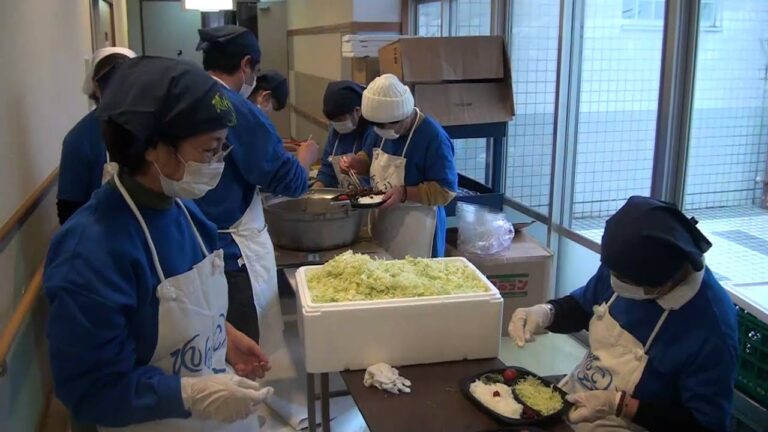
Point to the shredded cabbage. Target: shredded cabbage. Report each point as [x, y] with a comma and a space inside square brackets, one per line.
[356, 277]
[538, 396]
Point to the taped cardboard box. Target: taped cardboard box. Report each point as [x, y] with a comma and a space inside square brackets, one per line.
[522, 273]
[465, 103]
[435, 60]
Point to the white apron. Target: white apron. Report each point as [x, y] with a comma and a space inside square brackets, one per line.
[407, 229]
[192, 336]
[615, 361]
[345, 181]
[258, 256]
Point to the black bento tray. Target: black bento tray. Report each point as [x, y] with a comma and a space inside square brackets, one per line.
[521, 373]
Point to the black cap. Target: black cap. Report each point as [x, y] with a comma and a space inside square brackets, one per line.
[342, 97]
[276, 83]
[165, 98]
[647, 242]
[230, 39]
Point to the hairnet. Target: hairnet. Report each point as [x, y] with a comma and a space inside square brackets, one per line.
[276, 83]
[165, 98]
[342, 97]
[647, 242]
[230, 39]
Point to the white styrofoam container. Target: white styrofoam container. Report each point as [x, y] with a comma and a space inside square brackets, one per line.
[355, 335]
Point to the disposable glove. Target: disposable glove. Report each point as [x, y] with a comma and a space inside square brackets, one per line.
[526, 322]
[225, 397]
[385, 377]
[592, 405]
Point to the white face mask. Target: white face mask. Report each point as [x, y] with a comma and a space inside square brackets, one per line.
[388, 134]
[344, 127]
[198, 179]
[629, 291]
[247, 89]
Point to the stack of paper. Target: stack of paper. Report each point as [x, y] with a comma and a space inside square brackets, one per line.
[365, 45]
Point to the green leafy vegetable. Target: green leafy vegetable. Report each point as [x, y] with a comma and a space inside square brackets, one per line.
[538, 396]
[492, 379]
[355, 277]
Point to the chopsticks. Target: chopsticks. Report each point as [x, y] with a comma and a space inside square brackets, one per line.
[355, 180]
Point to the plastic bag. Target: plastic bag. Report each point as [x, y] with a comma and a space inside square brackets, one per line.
[482, 231]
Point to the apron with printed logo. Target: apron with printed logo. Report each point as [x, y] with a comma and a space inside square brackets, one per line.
[191, 326]
[615, 361]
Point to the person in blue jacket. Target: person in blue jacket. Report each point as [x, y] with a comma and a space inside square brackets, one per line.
[257, 163]
[411, 158]
[83, 156]
[662, 331]
[135, 283]
[349, 130]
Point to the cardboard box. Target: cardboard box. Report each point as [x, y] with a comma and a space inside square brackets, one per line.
[457, 80]
[465, 103]
[364, 70]
[435, 60]
[522, 273]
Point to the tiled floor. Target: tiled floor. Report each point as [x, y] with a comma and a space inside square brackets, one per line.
[739, 236]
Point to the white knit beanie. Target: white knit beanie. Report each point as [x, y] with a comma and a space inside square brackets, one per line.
[387, 100]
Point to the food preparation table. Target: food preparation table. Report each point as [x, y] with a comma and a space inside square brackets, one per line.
[435, 404]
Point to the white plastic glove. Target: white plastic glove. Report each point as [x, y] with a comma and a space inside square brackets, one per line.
[593, 405]
[385, 377]
[225, 397]
[526, 322]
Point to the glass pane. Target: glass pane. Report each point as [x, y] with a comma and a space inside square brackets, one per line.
[707, 14]
[629, 9]
[470, 157]
[728, 148]
[616, 129]
[533, 48]
[430, 18]
[473, 18]
[645, 9]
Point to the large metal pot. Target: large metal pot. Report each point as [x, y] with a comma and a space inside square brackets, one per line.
[312, 222]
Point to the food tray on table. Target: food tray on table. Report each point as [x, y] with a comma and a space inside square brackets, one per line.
[529, 415]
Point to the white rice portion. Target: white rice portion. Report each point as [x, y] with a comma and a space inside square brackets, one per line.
[505, 405]
[371, 199]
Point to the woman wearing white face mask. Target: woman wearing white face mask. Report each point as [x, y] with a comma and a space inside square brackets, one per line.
[662, 331]
[349, 130]
[411, 159]
[138, 297]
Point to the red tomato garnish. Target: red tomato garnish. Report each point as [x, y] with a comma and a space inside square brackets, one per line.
[509, 375]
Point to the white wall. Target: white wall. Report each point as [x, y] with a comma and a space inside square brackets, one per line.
[315, 13]
[43, 47]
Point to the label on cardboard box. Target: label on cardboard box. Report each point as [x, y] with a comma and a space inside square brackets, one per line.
[511, 285]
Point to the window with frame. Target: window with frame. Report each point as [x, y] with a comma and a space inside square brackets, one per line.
[651, 12]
